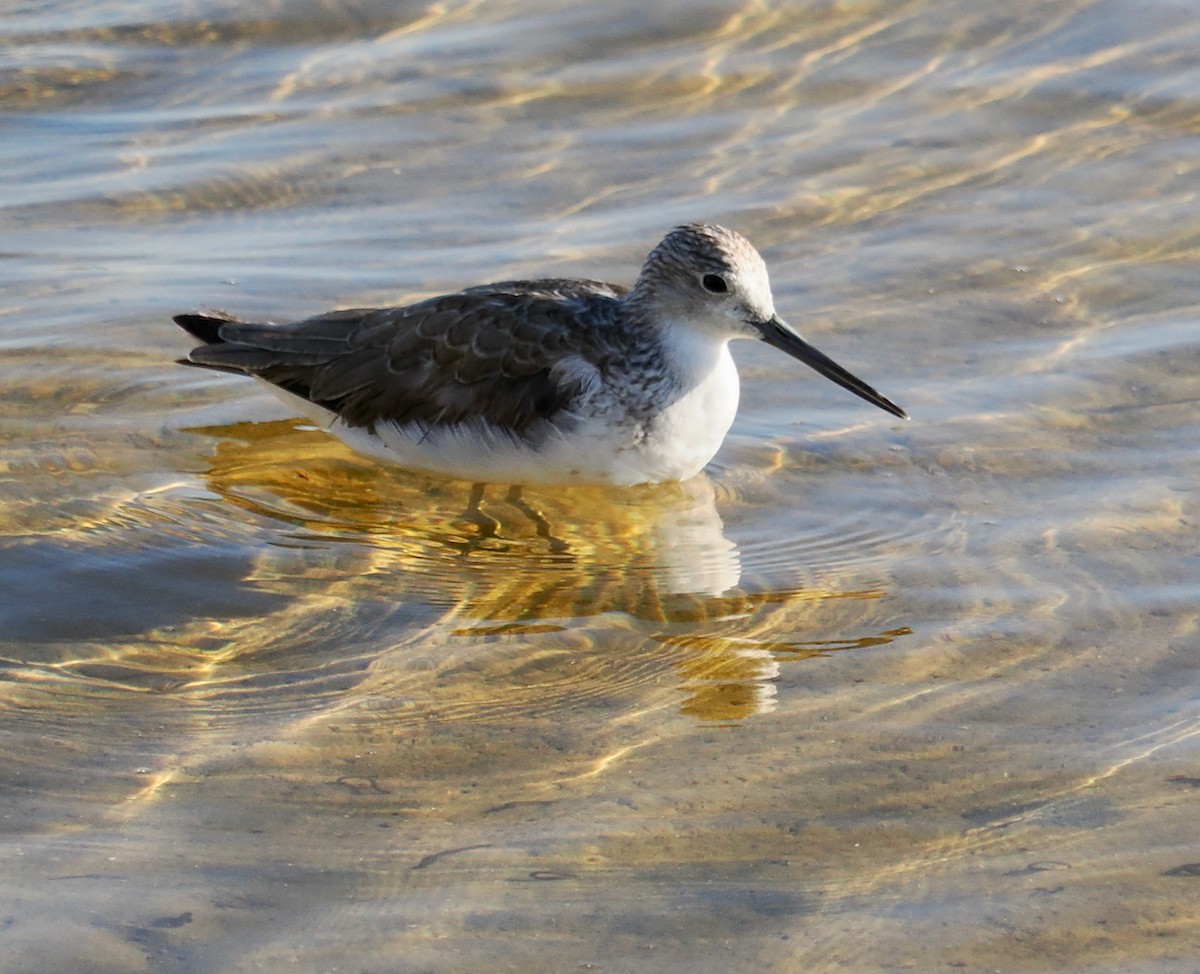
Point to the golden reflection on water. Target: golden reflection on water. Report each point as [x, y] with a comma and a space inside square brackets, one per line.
[371, 601]
[403, 661]
[628, 588]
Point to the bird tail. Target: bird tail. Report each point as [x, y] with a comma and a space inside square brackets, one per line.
[217, 352]
[207, 328]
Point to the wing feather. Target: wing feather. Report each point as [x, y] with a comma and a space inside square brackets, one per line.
[514, 354]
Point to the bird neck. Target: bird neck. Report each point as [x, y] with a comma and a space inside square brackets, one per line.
[691, 354]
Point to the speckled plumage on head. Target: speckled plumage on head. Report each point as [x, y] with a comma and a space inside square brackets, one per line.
[698, 248]
[538, 380]
[688, 254]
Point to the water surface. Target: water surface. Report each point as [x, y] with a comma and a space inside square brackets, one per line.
[864, 696]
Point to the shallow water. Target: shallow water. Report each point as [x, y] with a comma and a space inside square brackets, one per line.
[864, 696]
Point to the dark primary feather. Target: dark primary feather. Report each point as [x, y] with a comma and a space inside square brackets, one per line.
[485, 353]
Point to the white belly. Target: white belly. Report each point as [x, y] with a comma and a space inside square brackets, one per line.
[675, 444]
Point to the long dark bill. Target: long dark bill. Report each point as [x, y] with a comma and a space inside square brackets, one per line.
[778, 333]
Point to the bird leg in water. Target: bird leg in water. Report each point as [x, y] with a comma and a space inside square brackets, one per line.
[489, 527]
[541, 525]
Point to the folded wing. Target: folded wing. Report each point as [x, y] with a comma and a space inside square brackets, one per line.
[500, 353]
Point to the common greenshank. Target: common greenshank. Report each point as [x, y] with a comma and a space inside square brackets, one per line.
[546, 381]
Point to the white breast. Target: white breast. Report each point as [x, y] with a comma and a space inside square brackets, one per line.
[690, 430]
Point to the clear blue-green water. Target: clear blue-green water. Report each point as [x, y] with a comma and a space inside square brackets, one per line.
[865, 696]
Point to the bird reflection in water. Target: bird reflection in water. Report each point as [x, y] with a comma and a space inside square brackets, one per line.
[636, 582]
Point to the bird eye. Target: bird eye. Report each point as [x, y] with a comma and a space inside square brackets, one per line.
[714, 283]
